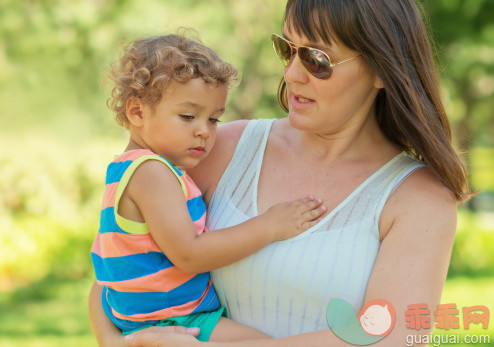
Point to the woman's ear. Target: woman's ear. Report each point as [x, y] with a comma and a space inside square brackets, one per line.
[378, 83]
[134, 111]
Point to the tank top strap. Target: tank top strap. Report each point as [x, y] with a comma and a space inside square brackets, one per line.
[394, 175]
[241, 176]
[369, 199]
[251, 145]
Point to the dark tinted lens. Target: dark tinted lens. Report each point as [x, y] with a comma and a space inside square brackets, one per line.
[282, 49]
[315, 62]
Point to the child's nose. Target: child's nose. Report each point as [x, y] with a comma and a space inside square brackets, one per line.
[202, 131]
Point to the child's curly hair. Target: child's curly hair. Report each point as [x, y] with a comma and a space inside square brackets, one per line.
[148, 65]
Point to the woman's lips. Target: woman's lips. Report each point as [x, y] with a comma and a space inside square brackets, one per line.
[300, 102]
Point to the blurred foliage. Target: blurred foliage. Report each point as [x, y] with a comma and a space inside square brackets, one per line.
[49, 207]
[474, 242]
[54, 55]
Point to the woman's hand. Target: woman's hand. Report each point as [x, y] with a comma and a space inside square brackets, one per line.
[164, 336]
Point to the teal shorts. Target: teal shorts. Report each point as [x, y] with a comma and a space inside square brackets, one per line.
[206, 321]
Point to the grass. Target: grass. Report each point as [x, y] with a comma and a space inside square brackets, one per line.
[465, 292]
[47, 313]
[54, 312]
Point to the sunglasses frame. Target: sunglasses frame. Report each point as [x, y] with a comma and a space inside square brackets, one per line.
[295, 50]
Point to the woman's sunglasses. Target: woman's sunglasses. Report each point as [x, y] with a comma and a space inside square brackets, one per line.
[314, 60]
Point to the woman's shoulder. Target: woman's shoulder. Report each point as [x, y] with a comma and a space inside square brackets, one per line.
[227, 138]
[230, 132]
[424, 184]
[421, 196]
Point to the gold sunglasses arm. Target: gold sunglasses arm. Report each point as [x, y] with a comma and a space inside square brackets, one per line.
[344, 61]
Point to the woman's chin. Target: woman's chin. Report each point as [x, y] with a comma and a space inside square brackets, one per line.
[299, 121]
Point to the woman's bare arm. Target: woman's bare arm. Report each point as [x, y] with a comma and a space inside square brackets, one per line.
[106, 333]
[413, 259]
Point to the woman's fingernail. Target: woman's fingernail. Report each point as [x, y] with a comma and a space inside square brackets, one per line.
[130, 337]
[192, 330]
[311, 197]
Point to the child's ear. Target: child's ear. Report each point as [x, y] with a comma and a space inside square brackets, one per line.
[134, 110]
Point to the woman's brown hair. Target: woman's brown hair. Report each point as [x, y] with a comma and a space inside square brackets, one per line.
[392, 39]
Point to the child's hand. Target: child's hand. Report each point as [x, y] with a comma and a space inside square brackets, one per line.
[289, 219]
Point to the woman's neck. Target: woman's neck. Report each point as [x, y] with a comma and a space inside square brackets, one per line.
[352, 142]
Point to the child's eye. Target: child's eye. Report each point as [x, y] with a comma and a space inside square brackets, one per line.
[214, 120]
[186, 116]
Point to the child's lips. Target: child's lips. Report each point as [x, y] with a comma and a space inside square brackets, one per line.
[197, 151]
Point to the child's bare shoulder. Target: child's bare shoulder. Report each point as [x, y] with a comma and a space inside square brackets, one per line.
[151, 177]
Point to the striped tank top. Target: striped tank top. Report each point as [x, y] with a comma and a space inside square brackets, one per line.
[284, 289]
[141, 285]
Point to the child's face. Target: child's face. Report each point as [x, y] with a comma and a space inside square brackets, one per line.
[182, 127]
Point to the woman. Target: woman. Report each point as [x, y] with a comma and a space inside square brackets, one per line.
[367, 131]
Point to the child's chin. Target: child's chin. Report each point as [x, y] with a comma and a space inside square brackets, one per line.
[189, 165]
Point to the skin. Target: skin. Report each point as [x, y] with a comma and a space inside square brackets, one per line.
[335, 136]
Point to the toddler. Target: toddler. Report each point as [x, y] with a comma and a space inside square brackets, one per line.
[152, 253]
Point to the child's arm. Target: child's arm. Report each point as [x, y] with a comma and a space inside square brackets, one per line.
[158, 196]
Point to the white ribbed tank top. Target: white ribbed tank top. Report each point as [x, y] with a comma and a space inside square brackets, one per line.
[284, 289]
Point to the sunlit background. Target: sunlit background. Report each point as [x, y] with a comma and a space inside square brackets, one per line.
[56, 137]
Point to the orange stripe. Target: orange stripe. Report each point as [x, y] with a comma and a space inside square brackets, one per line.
[96, 247]
[199, 224]
[187, 308]
[163, 314]
[192, 190]
[120, 245]
[109, 195]
[132, 155]
[162, 281]
[181, 310]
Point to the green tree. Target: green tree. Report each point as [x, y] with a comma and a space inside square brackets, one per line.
[464, 32]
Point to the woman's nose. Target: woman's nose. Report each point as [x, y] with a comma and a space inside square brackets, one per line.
[295, 71]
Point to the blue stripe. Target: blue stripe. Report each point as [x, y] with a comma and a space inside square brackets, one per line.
[128, 303]
[189, 291]
[136, 303]
[196, 207]
[115, 171]
[107, 222]
[177, 170]
[128, 267]
[209, 303]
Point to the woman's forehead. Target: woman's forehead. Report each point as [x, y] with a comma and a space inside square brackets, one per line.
[310, 31]
[296, 35]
